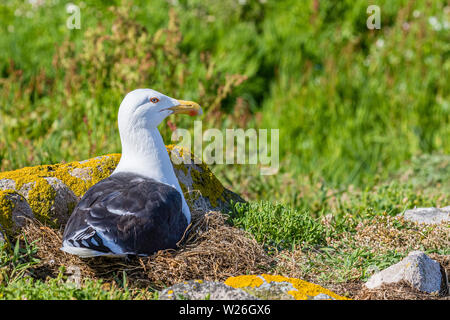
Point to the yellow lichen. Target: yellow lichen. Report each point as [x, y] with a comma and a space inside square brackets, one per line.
[303, 290]
[203, 180]
[244, 281]
[40, 199]
[41, 194]
[6, 209]
[182, 153]
[207, 184]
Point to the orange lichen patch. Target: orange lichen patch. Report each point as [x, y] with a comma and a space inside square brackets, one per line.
[303, 290]
[244, 281]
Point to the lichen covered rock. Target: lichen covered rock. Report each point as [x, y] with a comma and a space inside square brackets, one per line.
[275, 287]
[52, 191]
[201, 290]
[14, 210]
[200, 186]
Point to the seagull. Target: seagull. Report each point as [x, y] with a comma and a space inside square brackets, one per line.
[140, 208]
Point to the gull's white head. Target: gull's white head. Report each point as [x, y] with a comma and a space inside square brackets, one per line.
[147, 108]
[143, 149]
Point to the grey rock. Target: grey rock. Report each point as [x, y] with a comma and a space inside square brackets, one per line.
[81, 173]
[20, 213]
[74, 275]
[22, 210]
[279, 290]
[203, 290]
[64, 202]
[7, 184]
[323, 296]
[191, 167]
[275, 290]
[2, 235]
[417, 269]
[428, 215]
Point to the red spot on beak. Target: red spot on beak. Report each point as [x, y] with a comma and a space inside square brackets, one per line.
[193, 113]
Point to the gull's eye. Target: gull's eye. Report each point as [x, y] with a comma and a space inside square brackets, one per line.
[154, 100]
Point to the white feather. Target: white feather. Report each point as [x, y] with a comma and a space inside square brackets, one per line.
[143, 149]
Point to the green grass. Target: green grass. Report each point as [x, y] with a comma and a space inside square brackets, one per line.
[277, 225]
[16, 261]
[60, 289]
[18, 280]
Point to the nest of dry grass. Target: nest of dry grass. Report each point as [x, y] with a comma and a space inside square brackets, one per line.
[210, 250]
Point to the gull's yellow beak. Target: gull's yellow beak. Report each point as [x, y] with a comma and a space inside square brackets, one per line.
[187, 107]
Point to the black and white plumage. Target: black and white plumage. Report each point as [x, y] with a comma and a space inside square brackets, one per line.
[140, 208]
[126, 214]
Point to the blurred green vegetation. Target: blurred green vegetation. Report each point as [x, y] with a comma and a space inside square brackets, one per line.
[352, 104]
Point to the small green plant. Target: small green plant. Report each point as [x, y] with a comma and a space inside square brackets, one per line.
[18, 261]
[276, 224]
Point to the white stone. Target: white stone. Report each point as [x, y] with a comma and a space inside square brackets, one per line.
[428, 215]
[417, 269]
[201, 290]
